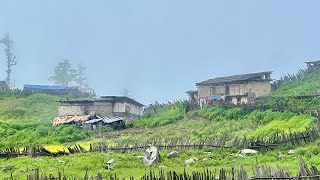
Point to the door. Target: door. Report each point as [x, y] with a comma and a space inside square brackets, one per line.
[227, 90]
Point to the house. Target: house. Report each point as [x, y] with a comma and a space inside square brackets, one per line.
[3, 86]
[103, 106]
[237, 89]
[192, 96]
[45, 89]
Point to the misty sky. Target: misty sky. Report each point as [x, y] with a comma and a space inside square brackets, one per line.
[158, 49]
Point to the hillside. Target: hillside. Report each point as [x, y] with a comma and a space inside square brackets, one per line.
[295, 92]
[26, 121]
[305, 82]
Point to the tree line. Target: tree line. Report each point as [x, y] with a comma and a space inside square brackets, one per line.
[64, 73]
[10, 58]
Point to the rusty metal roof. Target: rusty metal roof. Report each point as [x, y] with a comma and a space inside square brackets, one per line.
[69, 119]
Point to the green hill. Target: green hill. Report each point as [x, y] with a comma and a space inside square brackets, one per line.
[305, 82]
[26, 121]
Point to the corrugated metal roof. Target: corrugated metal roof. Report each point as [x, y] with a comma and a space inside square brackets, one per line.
[47, 87]
[110, 119]
[93, 121]
[235, 78]
[215, 97]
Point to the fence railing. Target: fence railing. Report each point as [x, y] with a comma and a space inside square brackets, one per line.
[262, 144]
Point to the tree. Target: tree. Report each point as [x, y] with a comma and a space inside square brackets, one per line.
[81, 79]
[11, 60]
[64, 74]
[125, 92]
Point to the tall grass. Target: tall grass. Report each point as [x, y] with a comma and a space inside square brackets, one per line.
[26, 121]
[163, 115]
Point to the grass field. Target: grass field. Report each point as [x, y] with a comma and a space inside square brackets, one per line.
[129, 165]
[25, 121]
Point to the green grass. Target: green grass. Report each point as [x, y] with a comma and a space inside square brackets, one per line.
[309, 84]
[26, 121]
[129, 165]
[164, 115]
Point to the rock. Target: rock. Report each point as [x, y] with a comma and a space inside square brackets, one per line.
[191, 160]
[162, 166]
[7, 168]
[292, 151]
[248, 151]
[151, 156]
[206, 152]
[173, 154]
[63, 162]
[140, 157]
[207, 159]
[237, 155]
[109, 163]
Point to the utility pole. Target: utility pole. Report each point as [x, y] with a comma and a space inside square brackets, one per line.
[10, 60]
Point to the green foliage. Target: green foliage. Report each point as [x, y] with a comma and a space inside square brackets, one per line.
[307, 84]
[217, 113]
[26, 120]
[294, 124]
[163, 115]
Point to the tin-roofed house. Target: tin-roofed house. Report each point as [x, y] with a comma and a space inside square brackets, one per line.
[45, 89]
[111, 110]
[237, 89]
[3, 86]
[103, 106]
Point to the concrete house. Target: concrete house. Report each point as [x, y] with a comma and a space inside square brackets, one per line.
[104, 106]
[3, 86]
[238, 89]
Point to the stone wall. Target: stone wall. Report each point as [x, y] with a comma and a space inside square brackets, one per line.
[102, 108]
[204, 91]
[75, 109]
[259, 88]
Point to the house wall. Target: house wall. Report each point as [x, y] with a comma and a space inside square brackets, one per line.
[102, 108]
[259, 88]
[74, 109]
[120, 107]
[99, 108]
[203, 91]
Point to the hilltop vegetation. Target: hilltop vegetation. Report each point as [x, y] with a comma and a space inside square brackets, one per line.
[305, 82]
[26, 121]
[213, 122]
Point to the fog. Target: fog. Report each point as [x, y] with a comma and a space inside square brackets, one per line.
[158, 49]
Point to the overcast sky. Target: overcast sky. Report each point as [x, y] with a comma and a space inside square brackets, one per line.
[158, 49]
